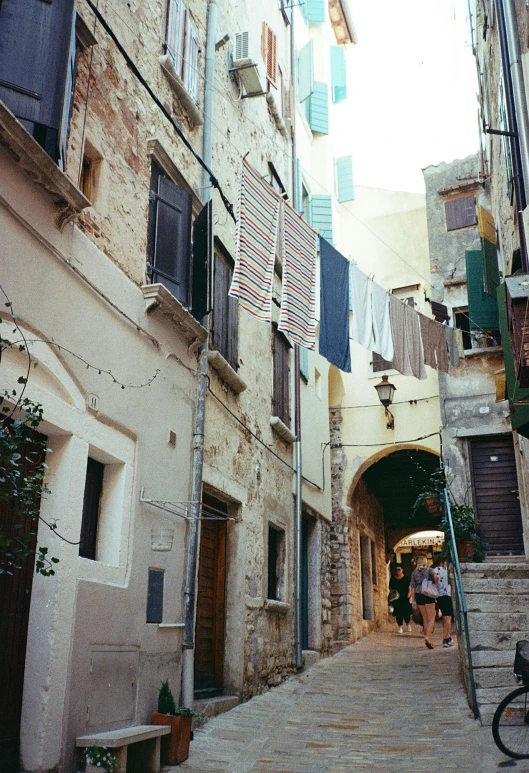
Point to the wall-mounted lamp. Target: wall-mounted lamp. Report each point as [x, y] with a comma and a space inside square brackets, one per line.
[385, 392]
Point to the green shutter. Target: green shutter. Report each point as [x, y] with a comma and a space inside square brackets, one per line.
[304, 364]
[490, 264]
[338, 74]
[345, 190]
[306, 72]
[313, 10]
[318, 108]
[320, 215]
[482, 309]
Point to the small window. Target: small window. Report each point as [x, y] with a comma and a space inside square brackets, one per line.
[182, 45]
[276, 563]
[91, 505]
[155, 596]
[460, 213]
[462, 322]
[281, 385]
[90, 172]
[225, 317]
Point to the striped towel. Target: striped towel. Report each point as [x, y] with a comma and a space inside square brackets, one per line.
[298, 300]
[257, 223]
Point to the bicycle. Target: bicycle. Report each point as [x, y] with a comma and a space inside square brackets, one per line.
[510, 725]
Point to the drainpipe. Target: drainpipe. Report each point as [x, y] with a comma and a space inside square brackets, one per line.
[297, 387]
[515, 114]
[518, 88]
[188, 644]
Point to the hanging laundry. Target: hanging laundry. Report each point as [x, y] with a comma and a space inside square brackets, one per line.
[434, 343]
[451, 340]
[334, 307]
[361, 305]
[460, 343]
[257, 225]
[408, 357]
[298, 300]
[383, 344]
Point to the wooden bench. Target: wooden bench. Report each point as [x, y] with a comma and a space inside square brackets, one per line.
[144, 740]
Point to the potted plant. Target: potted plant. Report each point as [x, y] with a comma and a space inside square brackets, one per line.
[99, 758]
[175, 747]
[431, 497]
[468, 544]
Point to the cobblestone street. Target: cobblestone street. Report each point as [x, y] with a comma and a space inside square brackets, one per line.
[384, 704]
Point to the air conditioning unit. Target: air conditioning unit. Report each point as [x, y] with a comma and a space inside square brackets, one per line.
[249, 65]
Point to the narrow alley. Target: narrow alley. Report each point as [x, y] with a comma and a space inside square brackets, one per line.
[384, 704]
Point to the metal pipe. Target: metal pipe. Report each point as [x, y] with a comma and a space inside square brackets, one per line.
[188, 643]
[297, 384]
[518, 87]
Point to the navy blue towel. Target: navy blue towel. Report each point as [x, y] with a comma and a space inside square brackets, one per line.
[334, 307]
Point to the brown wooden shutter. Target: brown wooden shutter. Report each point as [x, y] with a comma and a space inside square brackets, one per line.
[269, 52]
[461, 212]
[172, 245]
[202, 257]
[439, 311]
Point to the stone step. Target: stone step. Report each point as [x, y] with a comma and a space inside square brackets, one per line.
[212, 707]
[500, 622]
[502, 570]
[496, 603]
[496, 640]
[493, 659]
[496, 676]
[496, 585]
[494, 695]
[310, 657]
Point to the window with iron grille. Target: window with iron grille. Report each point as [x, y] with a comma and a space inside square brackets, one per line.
[182, 45]
[225, 317]
[281, 386]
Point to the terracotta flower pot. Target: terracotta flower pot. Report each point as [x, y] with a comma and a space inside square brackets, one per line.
[465, 550]
[175, 747]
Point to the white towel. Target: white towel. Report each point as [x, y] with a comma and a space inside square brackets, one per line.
[381, 323]
[362, 328]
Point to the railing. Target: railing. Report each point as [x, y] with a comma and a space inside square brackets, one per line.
[461, 605]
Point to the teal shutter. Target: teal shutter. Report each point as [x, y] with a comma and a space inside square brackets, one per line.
[345, 190]
[304, 364]
[482, 309]
[318, 108]
[306, 71]
[338, 74]
[297, 183]
[490, 264]
[313, 10]
[320, 215]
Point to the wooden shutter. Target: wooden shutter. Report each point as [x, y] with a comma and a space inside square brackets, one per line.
[461, 212]
[225, 322]
[306, 71]
[338, 74]
[92, 496]
[318, 110]
[269, 52]
[482, 309]
[172, 241]
[202, 256]
[379, 363]
[320, 216]
[491, 268]
[192, 49]
[68, 97]
[344, 179]
[281, 390]
[176, 29]
[440, 312]
[315, 11]
[34, 52]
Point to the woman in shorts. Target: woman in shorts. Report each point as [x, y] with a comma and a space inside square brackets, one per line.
[425, 603]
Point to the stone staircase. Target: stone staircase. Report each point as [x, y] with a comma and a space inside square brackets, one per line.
[497, 596]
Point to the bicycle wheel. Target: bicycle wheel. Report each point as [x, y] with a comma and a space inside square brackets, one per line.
[510, 726]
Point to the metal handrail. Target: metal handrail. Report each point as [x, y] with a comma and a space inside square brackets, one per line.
[461, 604]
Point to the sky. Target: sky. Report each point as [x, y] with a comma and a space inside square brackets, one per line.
[412, 89]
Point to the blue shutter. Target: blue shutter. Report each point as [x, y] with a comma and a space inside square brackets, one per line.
[482, 309]
[306, 72]
[344, 179]
[320, 212]
[313, 11]
[304, 364]
[338, 74]
[318, 109]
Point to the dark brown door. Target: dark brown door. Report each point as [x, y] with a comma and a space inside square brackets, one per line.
[209, 635]
[15, 597]
[496, 495]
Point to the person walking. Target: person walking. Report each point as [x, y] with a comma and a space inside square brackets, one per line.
[425, 603]
[444, 602]
[400, 584]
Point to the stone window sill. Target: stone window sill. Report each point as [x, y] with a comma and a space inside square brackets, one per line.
[282, 429]
[68, 200]
[178, 86]
[279, 607]
[483, 350]
[226, 372]
[158, 298]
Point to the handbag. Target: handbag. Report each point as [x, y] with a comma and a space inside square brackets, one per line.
[429, 588]
[393, 595]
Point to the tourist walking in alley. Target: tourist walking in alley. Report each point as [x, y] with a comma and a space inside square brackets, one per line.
[444, 602]
[400, 584]
[426, 604]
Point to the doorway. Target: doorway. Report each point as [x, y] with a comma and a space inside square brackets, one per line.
[211, 599]
[496, 498]
[15, 600]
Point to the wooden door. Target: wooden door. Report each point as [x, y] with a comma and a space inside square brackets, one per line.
[15, 598]
[496, 499]
[304, 574]
[210, 619]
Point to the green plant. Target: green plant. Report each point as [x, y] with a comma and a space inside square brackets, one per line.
[433, 489]
[464, 524]
[100, 757]
[167, 705]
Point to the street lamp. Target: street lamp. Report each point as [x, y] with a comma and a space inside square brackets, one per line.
[385, 392]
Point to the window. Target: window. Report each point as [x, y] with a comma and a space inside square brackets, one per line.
[269, 52]
[281, 386]
[169, 238]
[225, 317]
[276, 563]
[155, 596]
[462, 322]
[91, 504]
[37, 69]
[460, 213]
[90, 172]
[182, 46]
